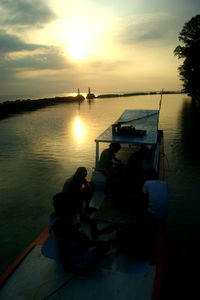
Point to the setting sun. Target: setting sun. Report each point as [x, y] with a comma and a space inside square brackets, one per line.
[79, 43]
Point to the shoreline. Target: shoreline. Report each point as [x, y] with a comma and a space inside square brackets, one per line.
[9, 108]
[138, 94]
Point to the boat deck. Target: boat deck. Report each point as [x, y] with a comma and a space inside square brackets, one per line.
[116, 276]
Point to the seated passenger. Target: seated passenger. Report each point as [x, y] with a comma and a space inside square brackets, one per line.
[108, 160]
[133, 177]
[75, 250]
[139, 156]
[78, 190]
[138, 239]
[157, 191]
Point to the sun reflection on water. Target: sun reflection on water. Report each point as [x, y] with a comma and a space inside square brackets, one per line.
[78, 128]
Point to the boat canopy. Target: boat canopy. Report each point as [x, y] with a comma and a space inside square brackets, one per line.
[142, 120]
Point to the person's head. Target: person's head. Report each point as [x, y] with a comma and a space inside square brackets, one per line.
[115, 147]
[80, 173]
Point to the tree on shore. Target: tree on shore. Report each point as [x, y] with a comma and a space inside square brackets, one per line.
[190, 53]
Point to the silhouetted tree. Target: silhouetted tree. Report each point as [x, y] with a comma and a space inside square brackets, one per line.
[190, 51]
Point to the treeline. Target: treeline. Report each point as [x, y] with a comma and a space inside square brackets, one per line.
[136, 94]
[8, 108]
[188, 52]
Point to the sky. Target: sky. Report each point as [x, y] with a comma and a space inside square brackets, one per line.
[58, 46]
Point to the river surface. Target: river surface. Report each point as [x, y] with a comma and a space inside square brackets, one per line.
[40, 149]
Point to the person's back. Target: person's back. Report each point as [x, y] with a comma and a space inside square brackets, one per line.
[158, 197]
[135, 160]
[69, 244]
[133, 173]
[68, 187]
[72, 245]
[74, 249]
[107, 158]
[78, 191]
[157, 191]
[73, 185]
[139, 238]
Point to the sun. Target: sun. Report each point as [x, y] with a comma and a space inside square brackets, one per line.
[79, 44]
[77, 51]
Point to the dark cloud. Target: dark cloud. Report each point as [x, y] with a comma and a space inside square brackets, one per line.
[11, 43]
[25, 13]
[17, 56]
[51, 59]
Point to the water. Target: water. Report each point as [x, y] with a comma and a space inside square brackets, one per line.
[40, 149]
[182, 248]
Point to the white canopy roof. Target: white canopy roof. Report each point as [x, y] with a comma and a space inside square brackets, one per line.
[141, 120]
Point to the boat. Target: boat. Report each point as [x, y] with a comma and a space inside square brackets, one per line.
[115, 276]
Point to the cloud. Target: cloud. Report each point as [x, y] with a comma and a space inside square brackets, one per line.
[108, 65]
[25, 13]
[11, 43]
[17, 56]
[50, 58]
[147, 28]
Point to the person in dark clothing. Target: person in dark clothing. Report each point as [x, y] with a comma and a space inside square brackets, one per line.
[133, 175]
[139, 238]
[108, 160]
[137, 157]
[111, 166]
[76, 251]
[78, 191]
